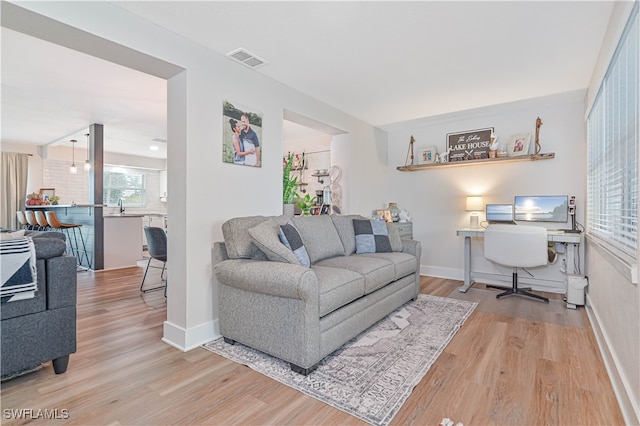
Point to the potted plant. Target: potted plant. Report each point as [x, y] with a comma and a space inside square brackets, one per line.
[305, 203]
[54, 200]
[289, 187]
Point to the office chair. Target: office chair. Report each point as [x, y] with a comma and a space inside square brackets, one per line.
[518, 246]
[157, 247]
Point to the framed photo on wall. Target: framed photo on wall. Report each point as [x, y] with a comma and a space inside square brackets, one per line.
[241, 135]
[519, 145]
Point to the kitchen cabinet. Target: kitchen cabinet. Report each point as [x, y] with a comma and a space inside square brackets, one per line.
[163, 185]
[122, 241]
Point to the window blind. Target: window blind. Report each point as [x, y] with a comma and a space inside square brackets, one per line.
[612, 148]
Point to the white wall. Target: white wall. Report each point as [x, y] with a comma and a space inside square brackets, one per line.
[435, 198]
[204, 191]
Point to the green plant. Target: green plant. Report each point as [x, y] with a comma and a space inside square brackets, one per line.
[306, 203]
[289, 183]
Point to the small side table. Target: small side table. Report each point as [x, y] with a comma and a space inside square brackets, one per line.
[405, 229]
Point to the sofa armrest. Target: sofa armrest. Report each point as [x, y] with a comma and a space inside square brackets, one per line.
[61, 282]
[412, 247]
[266, 277]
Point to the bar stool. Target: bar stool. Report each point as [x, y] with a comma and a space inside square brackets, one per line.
[41, 219]
[31, 220]
[55, 223]
[22, 220]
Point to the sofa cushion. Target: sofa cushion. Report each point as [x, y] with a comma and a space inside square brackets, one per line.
[377, 272]
[291, 238]
[371, 236]
[238, 242]
[344, 226]
[404, 264]
[320, 237]
[337, 287]
[265, 237]
[394, 237]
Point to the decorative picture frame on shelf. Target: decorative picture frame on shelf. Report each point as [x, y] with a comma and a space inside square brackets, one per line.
[519, 145]
[469, 145]
[427, 154]
[45, 193]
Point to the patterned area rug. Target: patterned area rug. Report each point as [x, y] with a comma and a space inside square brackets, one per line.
[371, 376]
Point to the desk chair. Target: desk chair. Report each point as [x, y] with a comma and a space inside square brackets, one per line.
[518, 246]
[157, 247]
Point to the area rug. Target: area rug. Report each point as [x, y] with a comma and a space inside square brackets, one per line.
[371, 376]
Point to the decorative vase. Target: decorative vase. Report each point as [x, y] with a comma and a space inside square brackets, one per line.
[288, 210]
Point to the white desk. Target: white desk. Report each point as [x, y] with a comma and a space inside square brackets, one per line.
[572, 241]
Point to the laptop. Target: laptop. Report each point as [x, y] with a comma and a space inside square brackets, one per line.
[499, 214]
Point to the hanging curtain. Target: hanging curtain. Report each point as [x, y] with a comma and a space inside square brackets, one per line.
[13, 185]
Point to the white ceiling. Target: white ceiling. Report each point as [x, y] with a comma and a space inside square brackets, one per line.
[383, 62]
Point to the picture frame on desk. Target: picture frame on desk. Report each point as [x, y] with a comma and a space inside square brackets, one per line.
[519, 145]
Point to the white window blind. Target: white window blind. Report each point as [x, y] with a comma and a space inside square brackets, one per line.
[612, 145]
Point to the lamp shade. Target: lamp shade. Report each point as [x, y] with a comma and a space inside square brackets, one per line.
[474, 203]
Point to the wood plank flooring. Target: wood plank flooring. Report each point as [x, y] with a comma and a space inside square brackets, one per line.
[499, 369]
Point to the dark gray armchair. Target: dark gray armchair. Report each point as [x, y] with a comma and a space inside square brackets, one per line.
[43, 328]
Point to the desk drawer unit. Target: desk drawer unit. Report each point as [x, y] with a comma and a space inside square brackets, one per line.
[405, 229]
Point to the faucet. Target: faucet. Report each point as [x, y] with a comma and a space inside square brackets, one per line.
[121, 205]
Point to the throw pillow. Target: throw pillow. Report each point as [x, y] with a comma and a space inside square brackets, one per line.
[371, 236]
[291, 238]
[11, 235]
[265, 236]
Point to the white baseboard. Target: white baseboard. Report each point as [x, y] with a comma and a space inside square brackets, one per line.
[448, 273]
[629, 408]
[187, 339]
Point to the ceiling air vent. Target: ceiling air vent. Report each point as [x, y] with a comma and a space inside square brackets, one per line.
[247, 58]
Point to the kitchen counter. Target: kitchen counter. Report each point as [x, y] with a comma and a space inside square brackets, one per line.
[124, 215]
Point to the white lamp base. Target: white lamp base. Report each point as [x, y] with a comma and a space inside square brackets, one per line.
[473, 223]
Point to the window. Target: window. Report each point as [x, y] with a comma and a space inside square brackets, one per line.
[612, 148]
[128, 186]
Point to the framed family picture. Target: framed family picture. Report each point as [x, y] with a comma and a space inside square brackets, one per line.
[427, 154]
[241, 135]
[519, 145]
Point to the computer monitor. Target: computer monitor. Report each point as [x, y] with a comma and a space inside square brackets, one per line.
[542, 208]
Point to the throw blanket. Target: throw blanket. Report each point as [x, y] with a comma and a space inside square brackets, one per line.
[18, 269]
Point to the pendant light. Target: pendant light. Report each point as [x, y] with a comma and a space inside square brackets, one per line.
[87, 163]
[73, 169]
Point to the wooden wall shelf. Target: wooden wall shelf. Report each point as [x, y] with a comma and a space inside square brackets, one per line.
[531, 157]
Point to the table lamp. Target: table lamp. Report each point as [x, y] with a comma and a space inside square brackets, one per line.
[474, 205]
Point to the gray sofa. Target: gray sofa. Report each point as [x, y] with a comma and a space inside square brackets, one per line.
[43, 328]
[271, 302]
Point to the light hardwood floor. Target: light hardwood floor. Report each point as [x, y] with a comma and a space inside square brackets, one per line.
[498, 370]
